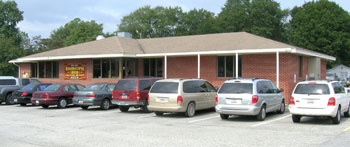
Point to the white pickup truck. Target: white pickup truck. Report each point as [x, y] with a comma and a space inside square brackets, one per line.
[319, 98]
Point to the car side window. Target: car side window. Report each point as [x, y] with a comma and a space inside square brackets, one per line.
[144, 85]
[210, 88]
[110, 87]
[338, 89]
[69, 88]
[272, 87]
[261, 87]
[194, 87]
[80, 88]
[25, 82]
[42, 87]
[35, 81]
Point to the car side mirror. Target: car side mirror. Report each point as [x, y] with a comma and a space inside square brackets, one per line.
[281, 90]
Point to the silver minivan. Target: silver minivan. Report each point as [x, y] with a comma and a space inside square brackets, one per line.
[181, 95]
[251, 96]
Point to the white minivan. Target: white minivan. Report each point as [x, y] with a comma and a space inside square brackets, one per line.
[319, 98]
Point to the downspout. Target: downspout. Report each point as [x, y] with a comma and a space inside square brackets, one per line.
[19, 69]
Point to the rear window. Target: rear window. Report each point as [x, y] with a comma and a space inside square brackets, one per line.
[126, 85]
[312, 89]
[8, 82]
[165, 87]
[52, 88]
[94, 87]
[29, 87]
[237, 88]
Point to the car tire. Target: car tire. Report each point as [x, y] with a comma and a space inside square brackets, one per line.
[347, 113]
[84, 107]
[23, 104]
[336, 119]
[9, 99]
[145, 107]
[191, 110]
[224, 116]
[106, 104]
[296, 118]
[62, 103]
[282, 108]
[159, 113]
[45, 106]
[123, 108]
[262, 114]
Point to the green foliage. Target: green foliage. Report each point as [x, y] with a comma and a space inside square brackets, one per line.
[9, 51]
[74, 32]
[260, 17]
[322, 26]
[197, 22]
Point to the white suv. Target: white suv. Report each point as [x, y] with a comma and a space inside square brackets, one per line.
[319, 98]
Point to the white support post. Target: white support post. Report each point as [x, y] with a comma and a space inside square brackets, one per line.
[199, 66]
[278, 69]
[236, 65]
[165, 67]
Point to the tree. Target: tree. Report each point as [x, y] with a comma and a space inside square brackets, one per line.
[9, 51]
[322, 26]
[260, 17]
[73, 32]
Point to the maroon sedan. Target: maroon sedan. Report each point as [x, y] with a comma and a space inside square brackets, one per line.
[57, 94]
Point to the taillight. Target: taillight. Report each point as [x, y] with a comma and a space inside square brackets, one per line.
[216, 99]
[138, 95]
[179, 99]
[331, 101]
[148, 98]
[114, 95]
[91, 95]
[75, 95]
[33, 95]
[255, 99]
[46, 95]
[24, 94]
[291, 101]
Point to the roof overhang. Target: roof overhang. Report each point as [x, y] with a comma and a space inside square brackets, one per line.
[241, 51]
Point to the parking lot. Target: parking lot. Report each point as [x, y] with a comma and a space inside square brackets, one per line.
[35, 126]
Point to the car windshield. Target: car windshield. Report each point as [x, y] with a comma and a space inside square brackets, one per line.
[29, 87]
[8, 82]
[165, 87]
[126, 85]
[94, 87]
[52, 88]
[237, 88]
[315, 89]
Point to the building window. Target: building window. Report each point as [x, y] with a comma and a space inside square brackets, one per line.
[48, 69]
[300, 66]
[106, 68]
[227, 66]
[34, 70]
[153, 67]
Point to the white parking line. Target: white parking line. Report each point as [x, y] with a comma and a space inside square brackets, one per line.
[146, 116]
[203, 119]
[277, 119]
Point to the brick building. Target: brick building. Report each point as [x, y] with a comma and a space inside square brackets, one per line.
[214, 57]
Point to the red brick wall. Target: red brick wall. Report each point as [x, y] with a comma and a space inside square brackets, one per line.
[182, 67]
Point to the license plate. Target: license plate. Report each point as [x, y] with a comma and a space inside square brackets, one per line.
[37, 102]
[81, 102]
[310, 102]
[15, 100]
[234, 101]
[124, 97]
[162, 100]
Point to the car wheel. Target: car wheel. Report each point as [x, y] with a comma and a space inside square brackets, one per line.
[23, 104]
[296, 118]
[9, 99]
[105, 104]
[45, 106]
[262, 114]
[282, 108]
[123, 108]
[159, 113]
[84, 107]
[347, 113]
[336, 119]
[191, 110]
[62, 103]
[224, 116]
[145, 107]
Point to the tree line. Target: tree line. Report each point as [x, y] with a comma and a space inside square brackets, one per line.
[321, 26]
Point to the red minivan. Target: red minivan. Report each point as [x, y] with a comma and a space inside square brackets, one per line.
[132, 92]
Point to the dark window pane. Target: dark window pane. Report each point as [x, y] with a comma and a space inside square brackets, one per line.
[300, 66]
[33, 69]
[240, 66]
[41, 69]
[115, 68]
[159, 67]
[221, 66]
[144, 85]
[55, 69]
[236, 88]
[97, 68]
[106, 73]
[165, 87]
[146, 67]
[48, 69]
[126, 85]
[153, 67]
[229, 66]
[312, 89]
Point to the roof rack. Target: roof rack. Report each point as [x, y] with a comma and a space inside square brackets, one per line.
[245, 78]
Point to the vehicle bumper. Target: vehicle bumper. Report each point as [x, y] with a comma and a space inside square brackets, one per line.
[166, 109]
[128, 103]
[237, 109]
[22, 100]
[86, 102]
[44, 101]
[328, 111]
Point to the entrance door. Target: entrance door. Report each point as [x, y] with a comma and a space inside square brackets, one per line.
[129, 67]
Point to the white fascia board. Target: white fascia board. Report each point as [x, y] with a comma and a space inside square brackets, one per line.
[315, 54]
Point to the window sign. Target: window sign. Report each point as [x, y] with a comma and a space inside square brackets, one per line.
[75, 71]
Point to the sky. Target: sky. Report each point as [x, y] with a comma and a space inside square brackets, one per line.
[41, 17]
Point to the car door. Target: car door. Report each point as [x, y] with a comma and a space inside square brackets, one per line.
[277, 96]
[144, 86]
[263, 89]
[109, 89]
[211, 92]
[69, 92]
[340, 95]
[193, 92]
